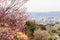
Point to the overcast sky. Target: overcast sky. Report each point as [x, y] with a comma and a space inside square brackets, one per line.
[43, 5]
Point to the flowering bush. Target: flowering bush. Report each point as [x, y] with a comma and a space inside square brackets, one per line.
[12, 14]
[8, 34]
[12, 20]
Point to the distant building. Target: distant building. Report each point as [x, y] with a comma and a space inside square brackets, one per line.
[46, 20]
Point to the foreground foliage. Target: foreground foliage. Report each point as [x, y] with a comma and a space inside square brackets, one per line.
[12, 20]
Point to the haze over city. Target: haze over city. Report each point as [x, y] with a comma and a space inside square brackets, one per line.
[43, 5]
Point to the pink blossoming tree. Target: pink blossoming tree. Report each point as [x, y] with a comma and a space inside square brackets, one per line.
[12, 14]
[12, 20]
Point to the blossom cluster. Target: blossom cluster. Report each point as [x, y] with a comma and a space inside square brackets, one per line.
[12, 20]
[8, 34]
[12, 15]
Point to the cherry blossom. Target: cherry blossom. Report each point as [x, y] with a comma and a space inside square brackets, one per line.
[12, 14]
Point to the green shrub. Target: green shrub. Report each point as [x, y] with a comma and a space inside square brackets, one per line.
[30, 27]
[42, 27]
[52, 38]
[50, 33]
[59, 28]
[53, 31]
[55, 38]
[58, 34]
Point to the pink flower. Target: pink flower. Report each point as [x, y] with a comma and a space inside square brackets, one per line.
[2, 14]
[13, 15]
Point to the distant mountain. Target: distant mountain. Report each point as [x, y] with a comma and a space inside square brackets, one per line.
[44, 14]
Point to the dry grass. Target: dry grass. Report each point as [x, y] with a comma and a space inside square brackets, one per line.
[41, 35]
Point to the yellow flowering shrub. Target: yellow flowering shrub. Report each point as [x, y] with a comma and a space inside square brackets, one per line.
[8, 34]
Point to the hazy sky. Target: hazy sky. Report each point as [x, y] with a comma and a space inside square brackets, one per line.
[43, 5]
